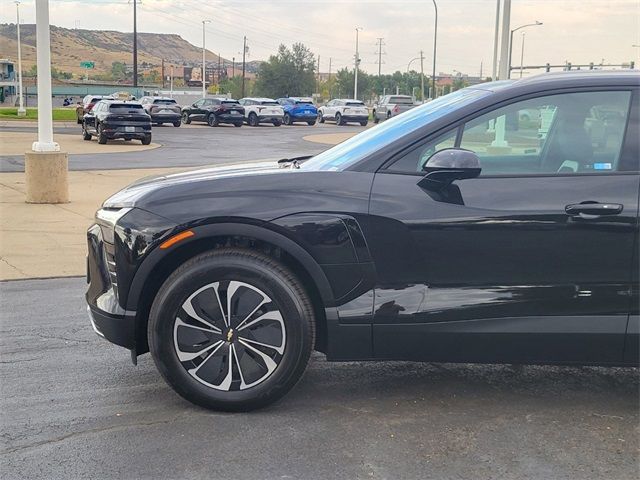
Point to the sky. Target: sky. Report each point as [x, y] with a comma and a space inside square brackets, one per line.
[578, 31]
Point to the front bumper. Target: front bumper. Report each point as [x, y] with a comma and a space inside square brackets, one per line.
[108, 318]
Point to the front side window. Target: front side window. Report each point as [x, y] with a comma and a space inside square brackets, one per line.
[199, 103]
[564, 134]
[568, 133]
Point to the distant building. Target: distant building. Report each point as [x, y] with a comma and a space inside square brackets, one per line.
[8, 79]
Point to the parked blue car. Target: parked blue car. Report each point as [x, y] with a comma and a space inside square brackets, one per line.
[298, 109]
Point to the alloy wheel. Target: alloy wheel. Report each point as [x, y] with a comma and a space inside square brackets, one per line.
[229, 335]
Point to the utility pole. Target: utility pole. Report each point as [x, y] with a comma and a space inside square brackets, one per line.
[357, 62]
[233, 67]
[163, 79]
[329, 68]
[522, 54]
[494, 67]
[204, 65]
[219, 72]
[480, 70]
[318, 84]
[422, 75]
[171, 82]
[503, 71]
[135, 45]
[380, 44]
[244, 53]
[435, 43]
[21, 110]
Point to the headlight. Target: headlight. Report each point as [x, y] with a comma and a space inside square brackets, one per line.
[107, 218]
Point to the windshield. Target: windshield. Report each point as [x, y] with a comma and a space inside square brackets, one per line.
[164, 102]
[364, 144]
[125, 108]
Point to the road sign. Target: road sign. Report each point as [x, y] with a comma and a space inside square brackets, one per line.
[87, 64]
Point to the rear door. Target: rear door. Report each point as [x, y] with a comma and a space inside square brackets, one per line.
[530, 262]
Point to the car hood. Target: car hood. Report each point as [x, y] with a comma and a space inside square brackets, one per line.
[130, 195]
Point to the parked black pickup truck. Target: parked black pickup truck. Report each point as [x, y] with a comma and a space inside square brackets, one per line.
[111, 119]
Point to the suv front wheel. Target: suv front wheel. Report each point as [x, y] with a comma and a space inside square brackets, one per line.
[231, 329]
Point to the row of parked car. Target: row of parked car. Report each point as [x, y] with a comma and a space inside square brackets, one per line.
[107, 117]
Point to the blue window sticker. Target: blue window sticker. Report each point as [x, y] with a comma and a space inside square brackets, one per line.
[602, 166]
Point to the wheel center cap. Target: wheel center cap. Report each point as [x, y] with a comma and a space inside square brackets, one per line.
[230, 335]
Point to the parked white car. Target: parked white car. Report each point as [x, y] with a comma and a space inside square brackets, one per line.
[262, 110]
[343, 110]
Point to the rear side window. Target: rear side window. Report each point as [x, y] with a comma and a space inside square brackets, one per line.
[125, 108]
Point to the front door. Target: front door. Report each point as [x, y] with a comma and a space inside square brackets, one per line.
[531, 261]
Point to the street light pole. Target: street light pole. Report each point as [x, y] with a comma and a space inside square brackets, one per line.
[422, 75]
[21, 110]
[522, 54]
[536, 24]
[494, 66]
[357, 62]
[45, 166]
[503, 67]
[135, 45]
[204, 66]
[435, 40]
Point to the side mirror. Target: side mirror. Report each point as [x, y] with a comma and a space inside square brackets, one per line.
[445, 166]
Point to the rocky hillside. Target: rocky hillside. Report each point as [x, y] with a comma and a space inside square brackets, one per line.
[69, 47]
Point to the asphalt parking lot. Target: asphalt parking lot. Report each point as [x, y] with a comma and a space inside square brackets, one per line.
[73, 406]
[197, 145]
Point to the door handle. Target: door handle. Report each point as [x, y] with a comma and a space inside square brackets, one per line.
[591, 209]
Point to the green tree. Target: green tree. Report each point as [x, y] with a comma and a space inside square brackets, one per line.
[118, 71]
[153, 77]
[345, 81]
[291, 72]
[233, 86]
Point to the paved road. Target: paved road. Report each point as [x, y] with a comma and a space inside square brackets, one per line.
[73, 406]
[198, 145]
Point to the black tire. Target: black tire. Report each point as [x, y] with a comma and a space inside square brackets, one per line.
[320, 117]
[375, 117]
[177, 123]
[185, 118]
[146, 140]
[239, 124]
[249, 270]
[277, 123]
[253, 120]
[287, 119]
[364, 123]
[85, 135]
[311, 123]
[339, 120]
[102, 137]
[79, 120]
[212, 120]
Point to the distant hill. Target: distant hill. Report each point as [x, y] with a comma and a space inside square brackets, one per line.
[69, 47]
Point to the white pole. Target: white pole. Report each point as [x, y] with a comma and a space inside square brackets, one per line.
[204, 88]
[45, 141]
[357, 60]
[504, 43]
[494, 69]
[522, 54]
[21, 110]
[422, 75]
[171, 82]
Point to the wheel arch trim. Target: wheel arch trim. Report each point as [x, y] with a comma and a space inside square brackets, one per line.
[156, 256]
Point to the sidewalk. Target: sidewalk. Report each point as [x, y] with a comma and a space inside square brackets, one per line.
[39, 241]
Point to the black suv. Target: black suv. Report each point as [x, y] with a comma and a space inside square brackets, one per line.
[459, 231]
[214, 111]
[110, 119]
